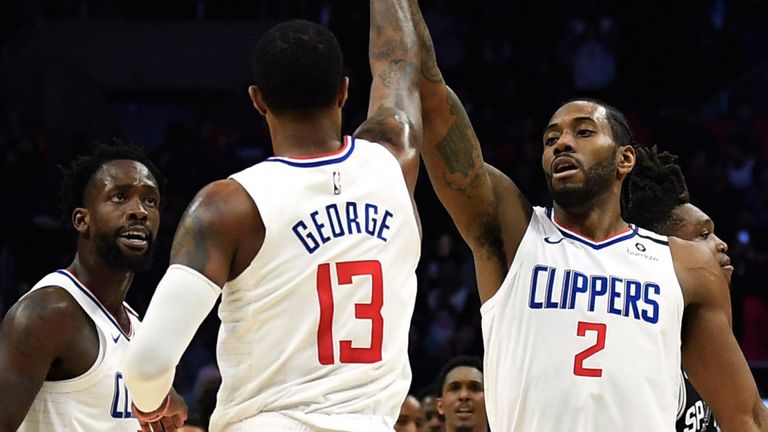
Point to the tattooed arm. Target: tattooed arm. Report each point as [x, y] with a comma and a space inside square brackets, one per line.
[488, 209]
[209, 249]
[394, 110]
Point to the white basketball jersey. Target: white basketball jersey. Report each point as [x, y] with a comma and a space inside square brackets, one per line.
[314, 333]
[584, 336]
[98, 399]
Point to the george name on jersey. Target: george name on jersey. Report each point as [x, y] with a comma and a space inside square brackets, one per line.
[338, 220]
[553, 288]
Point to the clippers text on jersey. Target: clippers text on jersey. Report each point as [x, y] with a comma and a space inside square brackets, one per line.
[553, 288]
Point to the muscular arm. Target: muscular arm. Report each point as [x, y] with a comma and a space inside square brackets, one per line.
[34, 334]
[205, 255]
[394, 109]
[711, 356]
[489, 211]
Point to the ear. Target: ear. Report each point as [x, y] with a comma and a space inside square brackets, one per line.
[257, 99]
[626, 160]
[81, 220]
[341, 99]
[439, 405]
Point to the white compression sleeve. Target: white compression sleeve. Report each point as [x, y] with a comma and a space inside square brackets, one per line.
[183, 299]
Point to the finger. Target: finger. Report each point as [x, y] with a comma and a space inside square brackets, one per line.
[167, 423]
[178, 420]
[145, 426]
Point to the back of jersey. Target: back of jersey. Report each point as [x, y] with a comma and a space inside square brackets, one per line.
[315, 330]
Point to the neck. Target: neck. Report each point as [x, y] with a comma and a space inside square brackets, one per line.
[107, 284]
[598, 219]
[302, 136]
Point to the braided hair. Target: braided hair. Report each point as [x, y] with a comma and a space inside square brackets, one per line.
[655, 188]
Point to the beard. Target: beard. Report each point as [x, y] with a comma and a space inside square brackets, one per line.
[107, 248]
[596, 179]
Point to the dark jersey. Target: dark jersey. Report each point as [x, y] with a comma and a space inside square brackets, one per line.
[696, 415]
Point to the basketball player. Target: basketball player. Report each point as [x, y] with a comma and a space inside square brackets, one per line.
[411, 418]
[314, 250]
[582, 313]
[462, 398]
[61, 344]
[657, 197]
[434, 421]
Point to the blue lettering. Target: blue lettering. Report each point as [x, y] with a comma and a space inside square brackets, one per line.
[319, 226]
[614, 294]
[304, 236]
[596, 290]
[532, 303]
[371, 221]
[632, 294]
[383, 227]
[564, 297]
[334, 220]
[352, 218]
[550, 284]
[653, 317]
[580, 284]
[121, 402]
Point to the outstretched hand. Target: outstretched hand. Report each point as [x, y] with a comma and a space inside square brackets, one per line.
[168, 418]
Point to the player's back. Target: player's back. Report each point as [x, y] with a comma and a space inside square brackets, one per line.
[315, 330]
[583, 335]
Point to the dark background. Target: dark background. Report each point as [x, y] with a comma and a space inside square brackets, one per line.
[691, 76]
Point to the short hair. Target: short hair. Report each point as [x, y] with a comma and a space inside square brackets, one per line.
[80, 171]
[620, 130]
[458, 361]
[298, 66]
[655, 188]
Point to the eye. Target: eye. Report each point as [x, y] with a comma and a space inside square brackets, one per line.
[151, 201]
[551, 140]
[584, 132]
[705, 235]
[118, 197]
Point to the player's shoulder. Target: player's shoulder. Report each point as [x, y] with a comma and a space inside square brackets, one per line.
[221, 207]
[46, 314]
[691, 255]
[221, 198]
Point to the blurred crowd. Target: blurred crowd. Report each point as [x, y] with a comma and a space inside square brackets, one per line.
[692, 80]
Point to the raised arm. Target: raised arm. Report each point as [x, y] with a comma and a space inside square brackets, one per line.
[711, 356]
[203, 258]
[394, 108]
[489, 211]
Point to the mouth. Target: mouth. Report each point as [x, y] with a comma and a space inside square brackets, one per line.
[135, 238]
[564, 166]
[464, 413]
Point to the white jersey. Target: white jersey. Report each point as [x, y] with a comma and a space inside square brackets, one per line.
[314, 332]
[584, 336]
[98, 399]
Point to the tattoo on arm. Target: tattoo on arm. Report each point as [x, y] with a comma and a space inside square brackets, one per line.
[191, 242]
[460, 152]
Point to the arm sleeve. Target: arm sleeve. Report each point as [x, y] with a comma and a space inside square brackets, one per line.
[183, 299]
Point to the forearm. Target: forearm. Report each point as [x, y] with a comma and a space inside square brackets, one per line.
[181, 302]
[394, 51]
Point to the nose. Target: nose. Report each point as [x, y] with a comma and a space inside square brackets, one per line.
[564, 143]
[720, 245]
[137, 211]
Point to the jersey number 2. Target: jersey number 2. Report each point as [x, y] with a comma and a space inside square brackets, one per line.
[578, 362]
[371, 311]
